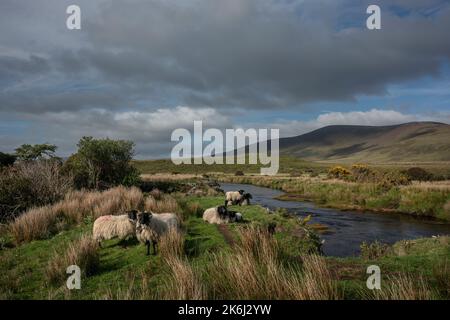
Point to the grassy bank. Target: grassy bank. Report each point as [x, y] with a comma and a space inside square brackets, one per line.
[421, 199]
[239, 261]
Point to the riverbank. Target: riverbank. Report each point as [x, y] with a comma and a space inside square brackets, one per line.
[236, 261]
[431, 200]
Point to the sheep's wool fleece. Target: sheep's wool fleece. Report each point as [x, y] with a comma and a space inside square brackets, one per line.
[158, 225]
[233, 196]
[109, 227]
[211, 215]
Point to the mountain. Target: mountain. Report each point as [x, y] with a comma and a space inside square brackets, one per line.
[409, 142]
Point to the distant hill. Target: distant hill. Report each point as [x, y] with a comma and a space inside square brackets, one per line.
[416, 141]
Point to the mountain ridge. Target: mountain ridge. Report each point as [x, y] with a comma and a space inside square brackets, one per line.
[412, 141]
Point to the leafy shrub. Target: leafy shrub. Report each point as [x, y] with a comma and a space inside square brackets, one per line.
[102, 163]
[338, 172]
[417, 173]
[374, 250]
[392, 179]
[239, 173]
[28, 152]
[363, 173]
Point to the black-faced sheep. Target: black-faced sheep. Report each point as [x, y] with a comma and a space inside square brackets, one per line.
[110, 227]
[151, 226]
[220, 215]
[240, 197]
[233, 197]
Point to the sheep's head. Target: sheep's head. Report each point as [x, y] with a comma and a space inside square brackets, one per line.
[222, 211]
[132, 215]
[144, 217]
[247, 196]
[241, 192]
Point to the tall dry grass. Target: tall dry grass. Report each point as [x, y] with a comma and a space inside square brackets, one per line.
[82, 252]
[257, 270]
[40, 223]
[183, 282]
[161, 204]
[404, 287]
[171, 244]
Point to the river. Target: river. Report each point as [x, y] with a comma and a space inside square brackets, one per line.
[348, 229]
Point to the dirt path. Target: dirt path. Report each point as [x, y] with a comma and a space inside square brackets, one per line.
[225, 231]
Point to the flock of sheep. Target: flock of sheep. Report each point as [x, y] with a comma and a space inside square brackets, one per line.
[148, 227]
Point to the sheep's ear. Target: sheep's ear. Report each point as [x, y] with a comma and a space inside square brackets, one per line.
[241, 191]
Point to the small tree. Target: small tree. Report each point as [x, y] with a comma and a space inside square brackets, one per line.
[29, 152]
[102, 163]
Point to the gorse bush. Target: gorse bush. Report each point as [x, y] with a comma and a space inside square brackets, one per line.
[338, 172]
[30, 184]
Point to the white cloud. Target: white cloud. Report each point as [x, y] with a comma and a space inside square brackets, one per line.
[150, 130]
[373, 117]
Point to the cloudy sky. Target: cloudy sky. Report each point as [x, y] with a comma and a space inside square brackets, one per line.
[140, 68]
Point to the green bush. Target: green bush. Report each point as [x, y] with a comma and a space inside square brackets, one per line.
[374, 250]
[102, 163]
[419, 174]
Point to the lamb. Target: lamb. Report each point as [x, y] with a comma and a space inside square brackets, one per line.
[110, 227]
[151, 226]
[220, 215]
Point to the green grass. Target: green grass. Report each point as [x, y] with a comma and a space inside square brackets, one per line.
[425, 202]
[123, 266]
[24, 266]
[287, 165]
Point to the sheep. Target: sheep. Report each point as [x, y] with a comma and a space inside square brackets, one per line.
[110, 227]
[151, 226]
[233, 197]
[240, 197]
[220, 215]
[245, 200]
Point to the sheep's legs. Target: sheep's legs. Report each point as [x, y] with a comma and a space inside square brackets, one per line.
[154, 248]
[148, 247]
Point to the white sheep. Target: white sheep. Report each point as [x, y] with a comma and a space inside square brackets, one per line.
[220, 215]
[151, 226]
[110, 227]
[233, 197]
[240, 197]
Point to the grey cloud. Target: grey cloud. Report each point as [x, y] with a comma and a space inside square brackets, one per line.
[251, 54]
